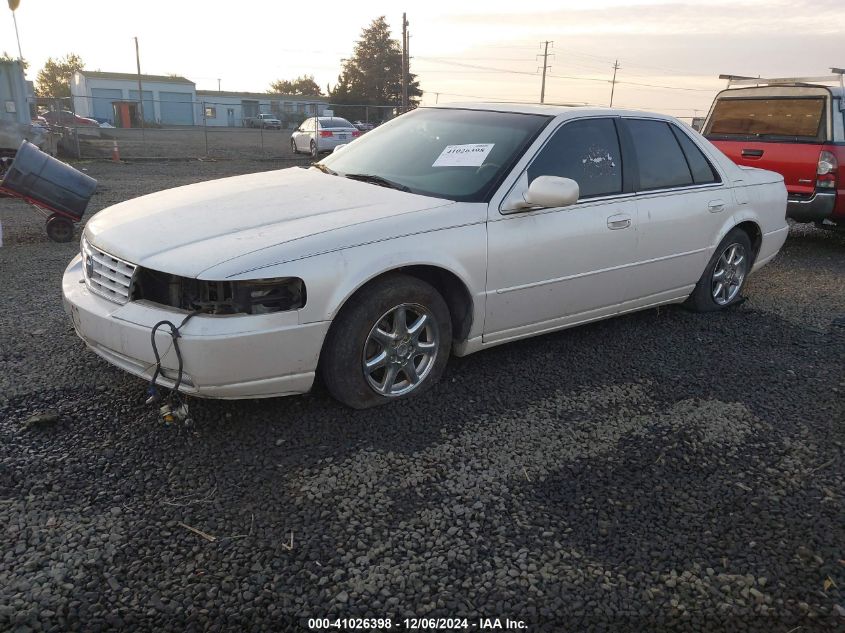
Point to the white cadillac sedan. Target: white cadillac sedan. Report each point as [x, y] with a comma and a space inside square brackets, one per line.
[445, 231]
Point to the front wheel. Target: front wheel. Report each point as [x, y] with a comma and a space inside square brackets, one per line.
[293, 147]
[391, 341]
[721, 284]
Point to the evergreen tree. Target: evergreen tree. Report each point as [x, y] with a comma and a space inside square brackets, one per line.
[373, 75]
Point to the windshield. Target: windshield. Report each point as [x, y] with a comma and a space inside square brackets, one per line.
[790, 117]
[454, 154]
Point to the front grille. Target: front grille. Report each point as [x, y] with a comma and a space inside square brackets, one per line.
[107, 275]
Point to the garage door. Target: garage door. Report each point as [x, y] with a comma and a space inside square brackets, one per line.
[176, 108]
[101, 102]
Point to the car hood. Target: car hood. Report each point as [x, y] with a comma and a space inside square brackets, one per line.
[189, 229]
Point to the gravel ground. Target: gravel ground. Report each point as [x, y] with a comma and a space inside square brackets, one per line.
[660, 471]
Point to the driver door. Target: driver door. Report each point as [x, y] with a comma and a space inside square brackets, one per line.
[548, 268]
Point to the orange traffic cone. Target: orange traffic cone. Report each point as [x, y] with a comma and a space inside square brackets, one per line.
[115, 153]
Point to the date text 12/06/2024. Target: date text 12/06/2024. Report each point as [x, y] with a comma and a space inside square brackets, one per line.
[413, 624]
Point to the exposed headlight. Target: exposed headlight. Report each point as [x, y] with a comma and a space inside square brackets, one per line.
[255, 296]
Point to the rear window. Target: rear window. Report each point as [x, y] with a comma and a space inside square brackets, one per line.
[334, 122]
[661, 161]
[801, 118]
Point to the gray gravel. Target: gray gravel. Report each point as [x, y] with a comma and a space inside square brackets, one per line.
[660, 471]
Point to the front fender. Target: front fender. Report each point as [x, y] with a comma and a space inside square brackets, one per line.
[332, 278]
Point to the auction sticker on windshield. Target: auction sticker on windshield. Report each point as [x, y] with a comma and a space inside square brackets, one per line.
[463, 155]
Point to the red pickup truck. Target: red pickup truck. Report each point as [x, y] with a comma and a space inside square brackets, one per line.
[793, 127]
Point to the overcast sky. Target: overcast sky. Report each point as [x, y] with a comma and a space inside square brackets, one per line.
[460, 50]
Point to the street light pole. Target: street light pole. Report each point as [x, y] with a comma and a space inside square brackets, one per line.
[13, 5]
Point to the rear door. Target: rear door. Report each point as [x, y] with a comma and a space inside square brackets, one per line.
[681, 203]
[778, 132]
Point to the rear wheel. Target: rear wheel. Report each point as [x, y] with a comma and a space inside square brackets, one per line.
[721, 284]
[314, 151]
[59, 229]
[390, 341]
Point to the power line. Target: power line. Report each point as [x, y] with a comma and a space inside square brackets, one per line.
[570, 77]
[633, 83]
[487, 98]
[492, 59]
[629, 62]
[476, 66]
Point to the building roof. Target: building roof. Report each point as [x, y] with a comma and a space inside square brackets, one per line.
[96, 74]
[260, 95]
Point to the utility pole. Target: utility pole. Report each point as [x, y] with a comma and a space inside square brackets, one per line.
[140, 87]
[13, 5]
[404, 63]
[218, 85]
[613, 82]
[545, 67]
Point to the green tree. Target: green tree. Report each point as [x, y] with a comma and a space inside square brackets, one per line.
[303, 85]
[54, 79]
[373, 74]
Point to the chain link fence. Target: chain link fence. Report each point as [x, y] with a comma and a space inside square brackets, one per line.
[219, 129]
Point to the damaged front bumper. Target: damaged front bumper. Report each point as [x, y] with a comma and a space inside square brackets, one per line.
[233, 356]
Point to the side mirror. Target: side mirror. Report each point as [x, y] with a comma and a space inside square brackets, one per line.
[551, 192]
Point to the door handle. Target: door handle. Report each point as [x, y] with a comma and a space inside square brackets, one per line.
[616, 222]
[752, 153]
[714, 206]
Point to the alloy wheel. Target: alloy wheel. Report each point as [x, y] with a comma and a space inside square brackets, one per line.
[400, 350]
[728, 274]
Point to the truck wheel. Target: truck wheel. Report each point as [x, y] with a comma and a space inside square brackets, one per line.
[59, 229]
[390, 341]
[723, 279]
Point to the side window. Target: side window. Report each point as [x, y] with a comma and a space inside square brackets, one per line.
[586, 151]
[702, 171]
[661, 162]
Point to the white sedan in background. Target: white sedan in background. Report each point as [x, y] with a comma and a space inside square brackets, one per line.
[445, 231]
[322, 134]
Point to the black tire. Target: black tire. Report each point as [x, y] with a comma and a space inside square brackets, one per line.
[314, 152]
[293, 146]
[350, 339]
[59, 229]
[704, 297]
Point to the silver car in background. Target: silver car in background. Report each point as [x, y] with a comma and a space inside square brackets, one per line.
[322, 134]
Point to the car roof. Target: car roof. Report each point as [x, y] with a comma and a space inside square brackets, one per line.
[551, 109]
